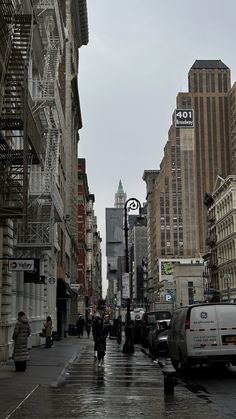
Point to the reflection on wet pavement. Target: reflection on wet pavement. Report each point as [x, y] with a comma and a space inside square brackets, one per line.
[126, 386]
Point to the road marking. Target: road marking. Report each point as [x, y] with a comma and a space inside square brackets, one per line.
[20, 404]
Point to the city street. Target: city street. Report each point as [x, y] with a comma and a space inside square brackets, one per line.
[215, 385]
[128, 386]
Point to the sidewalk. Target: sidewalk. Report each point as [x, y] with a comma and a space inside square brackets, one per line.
[46, 367]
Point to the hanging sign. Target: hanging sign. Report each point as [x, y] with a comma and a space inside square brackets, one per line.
[125, 286]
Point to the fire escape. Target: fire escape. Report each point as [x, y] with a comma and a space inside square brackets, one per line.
[45, 200]
[210, 258]
[18, 138]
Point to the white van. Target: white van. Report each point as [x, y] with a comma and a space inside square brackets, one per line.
[203, 334]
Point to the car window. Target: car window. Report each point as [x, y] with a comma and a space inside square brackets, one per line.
[151, 318]
[162, 315]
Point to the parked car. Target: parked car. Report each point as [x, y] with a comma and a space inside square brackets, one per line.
[150, 321]
[203, 334]
[161, 343]
[158, 340]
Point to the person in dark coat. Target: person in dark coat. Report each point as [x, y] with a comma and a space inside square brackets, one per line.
[48, 332]
[20, 337]
[80, 326]
[99, 336]
[88, 327]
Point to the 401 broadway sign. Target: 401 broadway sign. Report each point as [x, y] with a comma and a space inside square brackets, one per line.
[184, 118]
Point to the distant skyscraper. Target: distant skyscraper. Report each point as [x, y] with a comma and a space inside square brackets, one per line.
[209, 88]
[194, 155]
[115, 241]
[120, 197]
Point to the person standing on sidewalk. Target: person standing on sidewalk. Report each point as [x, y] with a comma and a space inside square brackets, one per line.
[100, 336]
[20, 337]
[48, 332]
[80, 326]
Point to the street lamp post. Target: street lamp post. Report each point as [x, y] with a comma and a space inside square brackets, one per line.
[131, 204]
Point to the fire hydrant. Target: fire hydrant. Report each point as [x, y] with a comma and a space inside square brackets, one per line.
[170, 380]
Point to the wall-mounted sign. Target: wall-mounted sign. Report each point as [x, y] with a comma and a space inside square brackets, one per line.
[184, 118]
[21, 265]
[51, 280]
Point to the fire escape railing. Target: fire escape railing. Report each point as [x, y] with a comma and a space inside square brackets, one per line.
[48, 109]
[17, 152]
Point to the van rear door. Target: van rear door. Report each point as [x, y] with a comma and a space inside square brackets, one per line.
[226, 314]
[203, 338]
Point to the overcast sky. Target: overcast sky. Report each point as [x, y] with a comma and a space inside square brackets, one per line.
[136, 62]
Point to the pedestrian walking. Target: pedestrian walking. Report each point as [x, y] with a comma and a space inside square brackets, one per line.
[80, 326]
[99, 336]
[48, 332]
[20, 337]
[88, 327]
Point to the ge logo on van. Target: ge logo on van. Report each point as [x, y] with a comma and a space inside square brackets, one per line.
[203, 315]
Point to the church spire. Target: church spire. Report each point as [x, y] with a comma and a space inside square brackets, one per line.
[120, 196]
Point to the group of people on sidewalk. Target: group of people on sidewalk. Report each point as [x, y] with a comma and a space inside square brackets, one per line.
[81, 324]
[98, 325]
[20, 336]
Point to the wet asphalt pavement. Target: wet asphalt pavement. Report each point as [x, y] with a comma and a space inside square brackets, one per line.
[127, 386]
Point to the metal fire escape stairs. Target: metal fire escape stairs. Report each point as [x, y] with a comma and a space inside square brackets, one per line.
[16, 151]
[47, 107]
[46, 101]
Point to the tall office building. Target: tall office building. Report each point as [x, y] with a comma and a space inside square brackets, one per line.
[197, 151]
[209, 87]
[115, 242]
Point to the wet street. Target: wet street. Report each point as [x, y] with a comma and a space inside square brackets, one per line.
[127, 386]
[215, 385]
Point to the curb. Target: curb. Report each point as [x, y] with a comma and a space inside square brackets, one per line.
[62, 376]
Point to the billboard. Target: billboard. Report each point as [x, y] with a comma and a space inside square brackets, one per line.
[167, 267]
[184, 118]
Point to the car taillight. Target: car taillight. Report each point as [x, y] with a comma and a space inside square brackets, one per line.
[187, 323]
